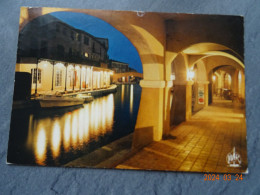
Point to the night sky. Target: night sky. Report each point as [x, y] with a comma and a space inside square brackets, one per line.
[120, 48]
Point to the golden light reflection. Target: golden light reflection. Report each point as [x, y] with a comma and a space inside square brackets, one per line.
[110, 111]
[95, 113]
[86, 125]
[40, 150]
[72, 130]
[56, 139]
[131, 98]
[81, 126]
[66, 133]
[103, 119]
[122, 94]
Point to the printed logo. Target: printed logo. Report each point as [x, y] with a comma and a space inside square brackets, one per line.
[233, 159]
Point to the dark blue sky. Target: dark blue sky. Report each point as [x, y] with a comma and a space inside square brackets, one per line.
[120, 48]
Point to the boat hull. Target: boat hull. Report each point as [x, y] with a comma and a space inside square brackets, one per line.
[86, 98]
[57, 103]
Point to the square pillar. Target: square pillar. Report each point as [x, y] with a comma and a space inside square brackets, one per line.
[206, 94]
[167, 109]
[188, 99]
[149, 124]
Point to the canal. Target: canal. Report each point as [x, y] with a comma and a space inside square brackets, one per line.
[55, 137]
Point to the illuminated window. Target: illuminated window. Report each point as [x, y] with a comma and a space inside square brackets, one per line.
[78, 37]
[58, 80]
[86, 54]
[35, 76]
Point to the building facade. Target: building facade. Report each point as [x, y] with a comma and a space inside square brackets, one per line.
[118, 67]
[55, 76]
[61, 57]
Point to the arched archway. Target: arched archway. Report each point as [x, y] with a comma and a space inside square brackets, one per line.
[159, 39]
[200, 60]
[178, 95]
[141, 33]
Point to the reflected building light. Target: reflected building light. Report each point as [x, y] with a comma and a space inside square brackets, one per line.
[66, 133]
[81, 126]
[30, 137]
[122, 94]
[56, 139]
[104, 113]
[100, 115]
[40, 151]
[131, 98]
[96, 114]
[74, 129]
[93, 119]
[91, 122]
[87, 125]
[110, 111]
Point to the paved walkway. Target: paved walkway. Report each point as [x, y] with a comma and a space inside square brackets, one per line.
[198, 145]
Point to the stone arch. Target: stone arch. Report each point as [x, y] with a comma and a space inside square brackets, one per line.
[203, 50]
[205, 47]
[214, 55]
[178, 112]
[179, 69]
[141, 32]
[147, 34]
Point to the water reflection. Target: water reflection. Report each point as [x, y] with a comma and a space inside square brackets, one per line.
[71, 130]
[40, 152]
[66, 133]
[122, 94]
[131, 98]
[58, 136]
[56, 139]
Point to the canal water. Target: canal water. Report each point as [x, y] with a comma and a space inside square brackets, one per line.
[57, 136]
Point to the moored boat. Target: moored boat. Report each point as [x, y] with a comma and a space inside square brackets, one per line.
[54, 101]
[86, 97]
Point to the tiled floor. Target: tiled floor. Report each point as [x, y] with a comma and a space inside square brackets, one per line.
[198, 145]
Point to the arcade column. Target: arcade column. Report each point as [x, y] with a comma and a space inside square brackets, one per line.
[149, 124]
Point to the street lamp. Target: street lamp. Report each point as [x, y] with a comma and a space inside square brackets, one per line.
[213, 78]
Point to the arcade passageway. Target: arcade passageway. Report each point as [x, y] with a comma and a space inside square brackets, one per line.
[191, 111]
[186, 59]
[200, 144]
